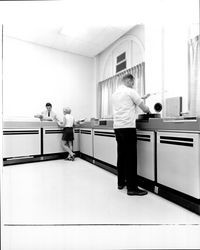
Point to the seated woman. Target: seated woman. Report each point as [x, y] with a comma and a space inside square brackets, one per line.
[68, 135]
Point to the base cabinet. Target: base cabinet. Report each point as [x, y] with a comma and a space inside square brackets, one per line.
[52, 140]
[178, 161]
[105, 146]
[21, 142]
[86, 141]
[146, 154]
[76, 142]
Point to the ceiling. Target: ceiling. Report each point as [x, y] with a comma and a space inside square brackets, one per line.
[84, 27]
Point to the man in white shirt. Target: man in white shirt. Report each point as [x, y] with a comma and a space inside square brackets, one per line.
[125, 100]
[48, 114]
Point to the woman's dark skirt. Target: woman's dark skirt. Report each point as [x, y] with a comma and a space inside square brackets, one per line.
[68, 134]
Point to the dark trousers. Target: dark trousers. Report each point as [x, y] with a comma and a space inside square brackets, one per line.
[127, 157]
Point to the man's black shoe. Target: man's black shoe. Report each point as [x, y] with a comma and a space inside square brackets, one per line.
[121, 186]
[137, 192]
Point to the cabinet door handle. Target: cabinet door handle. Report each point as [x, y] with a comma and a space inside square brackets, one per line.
[20, 132]
[177, 143]
[174, 140]
[141, 137]
[53, 131]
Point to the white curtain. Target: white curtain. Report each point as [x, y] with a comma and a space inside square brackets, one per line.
[194, 76]
[107, 87]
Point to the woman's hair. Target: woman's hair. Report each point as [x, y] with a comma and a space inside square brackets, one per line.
[67, 110]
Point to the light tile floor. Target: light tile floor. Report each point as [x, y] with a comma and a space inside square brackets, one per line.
[58, 205]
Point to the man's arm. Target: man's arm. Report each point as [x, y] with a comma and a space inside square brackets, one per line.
[145, 96]
[47, 119]
[144, 107]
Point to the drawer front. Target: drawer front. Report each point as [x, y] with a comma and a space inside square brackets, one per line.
[52, 141]
[105, 146]
[76, 141]
[178, 162]
[146, 154]
[21, 142]
[86, 142]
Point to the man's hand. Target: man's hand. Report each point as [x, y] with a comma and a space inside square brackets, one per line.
[145, 96]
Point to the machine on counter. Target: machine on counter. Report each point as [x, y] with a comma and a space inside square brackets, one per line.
[157, 108]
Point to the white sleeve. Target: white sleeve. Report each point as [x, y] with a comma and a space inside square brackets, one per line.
[135, 97]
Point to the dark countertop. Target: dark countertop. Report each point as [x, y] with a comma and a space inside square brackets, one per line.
[103, 127]
[21, 124]
[169, 124]
[29, 124]
[149, 124]
[47, 124]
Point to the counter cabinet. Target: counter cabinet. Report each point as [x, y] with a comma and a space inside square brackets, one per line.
[52, 140]
[146, 154]
[86, 141]
[38, 143]
[169, 165]
[105, 146]
[178, 161]
[99, 147]
[21, 142]
[76, 142]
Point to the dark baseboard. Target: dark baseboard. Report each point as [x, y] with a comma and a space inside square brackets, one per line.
[99, 163]
[146, 184]
[86, 157]
[77, 153]
[23, 160]
[179, 198]
[35, 158]
[105, 166]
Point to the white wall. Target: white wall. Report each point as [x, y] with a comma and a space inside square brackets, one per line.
[162, 44]
[166, 52]
[34, 75]
[154, 65]
[132, 42]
